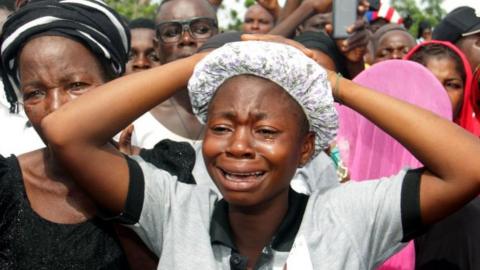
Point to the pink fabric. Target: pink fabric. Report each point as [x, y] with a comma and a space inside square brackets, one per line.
[369, 152]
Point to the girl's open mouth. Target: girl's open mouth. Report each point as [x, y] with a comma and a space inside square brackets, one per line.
[241, 181]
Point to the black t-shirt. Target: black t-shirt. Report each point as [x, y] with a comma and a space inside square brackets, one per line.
[27, 241]
[453, 243]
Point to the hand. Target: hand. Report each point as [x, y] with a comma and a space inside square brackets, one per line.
[319, 6]
[125, 142]
[279, 39]
[363, 7]
[355, 47]
[270, 5]
[215, 3]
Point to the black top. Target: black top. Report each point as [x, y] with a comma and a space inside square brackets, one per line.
[221, 232]
[453, 243]
[27, 241]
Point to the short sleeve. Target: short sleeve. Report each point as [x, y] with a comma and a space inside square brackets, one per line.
[135, 197]
[156, 200]
[147, 199]
[376, 213]
[318, 175]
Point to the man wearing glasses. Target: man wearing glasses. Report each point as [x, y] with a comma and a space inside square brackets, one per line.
[182, 26]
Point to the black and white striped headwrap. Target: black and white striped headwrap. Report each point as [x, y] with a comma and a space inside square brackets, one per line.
[90, 22]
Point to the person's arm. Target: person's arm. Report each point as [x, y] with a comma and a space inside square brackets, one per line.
[271, 6]
[289, 8]
[449, 153]
[215, 3]
[308, 7]
[81, 143]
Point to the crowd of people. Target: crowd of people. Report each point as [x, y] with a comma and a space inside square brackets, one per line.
[168, 143]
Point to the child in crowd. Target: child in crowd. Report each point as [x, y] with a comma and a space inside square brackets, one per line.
[268, 110]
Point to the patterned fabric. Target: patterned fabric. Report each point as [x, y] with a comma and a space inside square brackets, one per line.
[90, 22]
[284, 65]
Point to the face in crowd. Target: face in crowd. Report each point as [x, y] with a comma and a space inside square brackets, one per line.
[53, 71]
[142, 54]
[427, 34]
[448, 68]
[446, 71]
[394, 44]
[182, 27]
[258, 20]
[251, 147]
[470, 46]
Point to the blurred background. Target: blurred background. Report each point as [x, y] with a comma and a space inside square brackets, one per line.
[231, 12]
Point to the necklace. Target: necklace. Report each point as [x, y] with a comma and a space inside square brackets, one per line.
[187, 130]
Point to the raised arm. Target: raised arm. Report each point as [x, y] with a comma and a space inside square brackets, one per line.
[289, 7]
[449, 153]
[105, 111]
[306, 9]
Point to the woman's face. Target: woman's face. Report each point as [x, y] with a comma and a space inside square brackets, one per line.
[257, 20]
[254, 141]
[446, 72]
[53, 71]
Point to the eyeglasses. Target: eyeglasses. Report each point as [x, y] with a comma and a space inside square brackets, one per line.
[198, 28]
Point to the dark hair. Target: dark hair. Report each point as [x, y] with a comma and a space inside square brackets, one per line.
[7, 4]
[167, 1]
[142, 23]
[435, 50]
[424, 25]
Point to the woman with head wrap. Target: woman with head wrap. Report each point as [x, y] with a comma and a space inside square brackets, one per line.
[51, 53]
[268, 110]
[453, 70]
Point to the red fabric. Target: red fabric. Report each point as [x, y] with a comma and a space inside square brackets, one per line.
[389, 14]
[469, 116]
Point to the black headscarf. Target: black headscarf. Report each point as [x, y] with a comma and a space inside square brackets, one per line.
[90, 22]
[142, 23]
[324, 43]
[219, 40]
